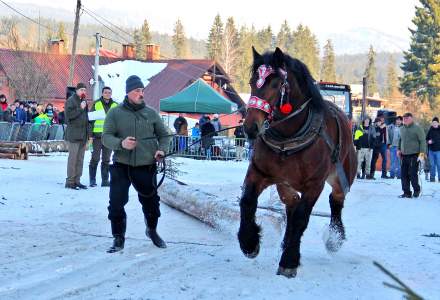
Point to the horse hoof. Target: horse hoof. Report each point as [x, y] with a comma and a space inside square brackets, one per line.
[286, 272]
[334, 239]
[333, 246]
[254, 253]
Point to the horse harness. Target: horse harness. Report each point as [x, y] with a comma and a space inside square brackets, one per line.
[313, 128]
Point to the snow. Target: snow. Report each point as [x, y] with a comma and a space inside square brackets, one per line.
[115, 74]
[54, 240]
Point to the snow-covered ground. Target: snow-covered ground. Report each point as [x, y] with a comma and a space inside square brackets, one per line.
[53, 242]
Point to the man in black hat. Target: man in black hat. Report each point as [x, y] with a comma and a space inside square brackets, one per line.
[76, 135]
[139, 138]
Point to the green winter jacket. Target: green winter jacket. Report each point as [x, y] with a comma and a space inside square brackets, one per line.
[141, 122]
[412, 139]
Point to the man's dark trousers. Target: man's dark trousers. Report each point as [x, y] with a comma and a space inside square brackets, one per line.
[121, 177]
[409, 173]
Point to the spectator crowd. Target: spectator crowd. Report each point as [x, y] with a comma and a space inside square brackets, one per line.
[29, 112]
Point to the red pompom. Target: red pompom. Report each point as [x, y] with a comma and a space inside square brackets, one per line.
[286, 108]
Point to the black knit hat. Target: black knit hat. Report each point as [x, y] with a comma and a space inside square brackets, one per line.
[80, 86]
[435, 119]
[133, 82]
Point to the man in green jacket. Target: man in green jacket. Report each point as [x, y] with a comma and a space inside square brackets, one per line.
[139, 138]
[76, 136]
[103, 104]
[412, 149]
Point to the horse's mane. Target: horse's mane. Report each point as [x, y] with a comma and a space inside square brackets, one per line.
[302, 74]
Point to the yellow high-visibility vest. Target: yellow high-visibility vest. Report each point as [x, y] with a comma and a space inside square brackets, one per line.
[98, 127]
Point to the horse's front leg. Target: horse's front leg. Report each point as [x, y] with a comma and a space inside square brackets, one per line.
[249, 232]
[298, 215]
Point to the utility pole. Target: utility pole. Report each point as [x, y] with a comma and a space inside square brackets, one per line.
[75, 35]
[95, 73]
[364, 98]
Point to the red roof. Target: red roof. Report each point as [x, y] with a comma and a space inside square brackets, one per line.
[58, 67]
[177, 75]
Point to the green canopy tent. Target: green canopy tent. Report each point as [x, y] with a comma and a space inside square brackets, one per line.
[198, 97]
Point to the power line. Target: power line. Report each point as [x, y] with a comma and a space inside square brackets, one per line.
[111, 24]
[32, 20]
[96, 19]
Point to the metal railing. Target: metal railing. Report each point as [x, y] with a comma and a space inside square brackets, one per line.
[30, 132]
[215, 148]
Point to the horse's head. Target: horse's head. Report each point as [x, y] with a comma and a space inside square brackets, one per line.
[279, 84]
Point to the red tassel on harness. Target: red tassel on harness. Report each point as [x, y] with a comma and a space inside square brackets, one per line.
[286, 108]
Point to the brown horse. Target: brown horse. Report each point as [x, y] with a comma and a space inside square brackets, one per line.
[300, 142]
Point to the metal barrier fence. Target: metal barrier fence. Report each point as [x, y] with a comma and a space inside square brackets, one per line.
[30, 132]
[215, 148]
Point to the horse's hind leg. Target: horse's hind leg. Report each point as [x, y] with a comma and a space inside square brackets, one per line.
[336, 234]
[297, 219]
[249, 232]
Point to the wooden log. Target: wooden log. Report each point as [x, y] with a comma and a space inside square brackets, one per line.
[7, 155]
[11, 144]
[47, 146]
[11, 150]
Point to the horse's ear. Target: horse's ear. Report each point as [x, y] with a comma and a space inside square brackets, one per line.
[255, 53]
[278, 58]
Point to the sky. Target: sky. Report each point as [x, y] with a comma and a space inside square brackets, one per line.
[322, 16]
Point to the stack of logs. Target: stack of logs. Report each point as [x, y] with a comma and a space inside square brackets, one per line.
[14, 150]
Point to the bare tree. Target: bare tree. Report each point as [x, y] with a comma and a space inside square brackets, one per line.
[9, 35]
[30, 78]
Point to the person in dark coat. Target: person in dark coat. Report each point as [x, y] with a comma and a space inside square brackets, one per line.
[208, 132]
[181, 127]
[77, 133]
[433, 140]
[379, 147]
[240, 139]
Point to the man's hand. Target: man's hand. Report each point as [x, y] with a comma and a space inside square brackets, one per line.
[129, 143]
[83, 104]
[430, 142]
[159, 155]
[399, 154]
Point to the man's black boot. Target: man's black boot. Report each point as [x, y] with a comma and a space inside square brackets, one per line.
[104, 175]
[152, 233]
[92, 175]
[118, 232]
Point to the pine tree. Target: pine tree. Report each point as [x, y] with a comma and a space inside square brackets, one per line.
[215, 39]
[62, 35]
[230, 49]
[139, 45]
[284, 37]
[247, 39]
[305, 47]
[371, 73]
[266, 40]
[179, 40]
[328, 67]
[421, 64]
[145, 33]
[392, 85]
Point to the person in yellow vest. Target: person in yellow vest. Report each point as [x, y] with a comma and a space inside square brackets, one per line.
[99, 150]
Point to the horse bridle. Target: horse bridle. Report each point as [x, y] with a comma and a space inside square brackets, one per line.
[257, 103]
